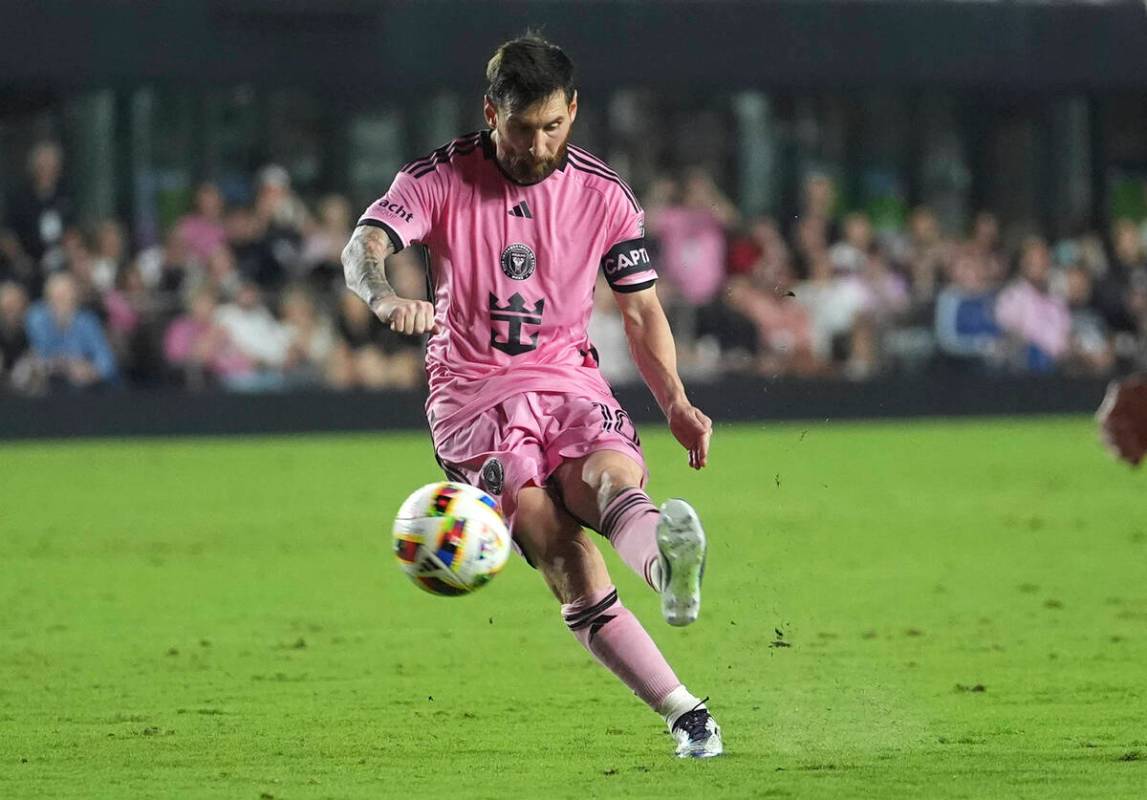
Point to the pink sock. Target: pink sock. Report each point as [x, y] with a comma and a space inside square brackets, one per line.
[615, 638]
[629, 521]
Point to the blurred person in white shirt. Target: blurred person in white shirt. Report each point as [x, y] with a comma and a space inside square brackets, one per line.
[257, 335]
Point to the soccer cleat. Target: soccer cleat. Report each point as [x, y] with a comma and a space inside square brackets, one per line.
[698, 735]
[681, 545]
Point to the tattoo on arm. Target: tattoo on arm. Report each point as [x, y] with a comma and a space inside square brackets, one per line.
[364, 264]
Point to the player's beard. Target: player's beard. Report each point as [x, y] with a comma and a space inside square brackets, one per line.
[527, 169]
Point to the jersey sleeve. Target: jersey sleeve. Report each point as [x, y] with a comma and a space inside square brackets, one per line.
[407, 210]
[626, 263]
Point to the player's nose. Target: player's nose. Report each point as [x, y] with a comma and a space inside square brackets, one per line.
[539, 149]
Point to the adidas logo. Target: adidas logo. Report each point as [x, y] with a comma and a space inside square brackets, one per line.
[521, 210]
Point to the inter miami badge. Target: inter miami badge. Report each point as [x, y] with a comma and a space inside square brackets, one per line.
[493, 475]
[518, 262]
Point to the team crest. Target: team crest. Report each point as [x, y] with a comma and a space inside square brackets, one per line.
[493, 476]
[518, 262]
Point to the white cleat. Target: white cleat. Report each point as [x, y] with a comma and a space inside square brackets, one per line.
[698, 735]
[681, 544]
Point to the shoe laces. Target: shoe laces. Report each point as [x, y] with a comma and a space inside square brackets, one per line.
[694, 722]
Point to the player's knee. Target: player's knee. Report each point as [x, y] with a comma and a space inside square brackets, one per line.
[609, 476]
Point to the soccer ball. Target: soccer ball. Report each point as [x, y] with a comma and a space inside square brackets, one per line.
[449, 538]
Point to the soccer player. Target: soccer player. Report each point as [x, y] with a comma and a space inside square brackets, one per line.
[1122, 419]
[518, 222]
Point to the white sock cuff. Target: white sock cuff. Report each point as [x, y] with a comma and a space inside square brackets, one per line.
[677, 702]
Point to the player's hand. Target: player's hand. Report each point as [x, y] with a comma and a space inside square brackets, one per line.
[693, 430]
[1123, 419]
[409, 317]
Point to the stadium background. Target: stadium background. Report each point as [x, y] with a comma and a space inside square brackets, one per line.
[915, 608]
[889, 165]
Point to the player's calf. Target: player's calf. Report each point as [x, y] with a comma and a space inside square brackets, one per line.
[610, 632]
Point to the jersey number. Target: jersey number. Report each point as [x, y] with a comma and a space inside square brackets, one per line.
[613, 419]
[516, 315]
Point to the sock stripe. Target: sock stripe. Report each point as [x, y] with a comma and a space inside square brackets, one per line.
[624, 502]
[583, 618]
[610, 519]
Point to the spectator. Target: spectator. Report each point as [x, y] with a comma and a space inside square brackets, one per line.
[281, 218]
[833, 305]
[368, 354]
[985, 242]
[322, 248]
[15, 265]
[165, 268]
[259, 337]
[783, 326]
[690, 231]
[818, 205]
[1089, 347]
[1128, 256]
[202, 232]
[849, 254]
[760, 247]
[310, 360]
[252, 250]
[109, 254]
[966, 331]
[222, 272]
[199, 349]
[38, 215]
[1135, 350]
[132, 313]
[1038, 321]
[925, 257]
[884, 301]
[80, 263]
[810, 244]
[13, 337]
[67, 341]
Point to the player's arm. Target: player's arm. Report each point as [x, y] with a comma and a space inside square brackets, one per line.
[655, 354]
[364, 266]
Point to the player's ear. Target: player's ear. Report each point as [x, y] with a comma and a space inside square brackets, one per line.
[490, 111]
[573, 107]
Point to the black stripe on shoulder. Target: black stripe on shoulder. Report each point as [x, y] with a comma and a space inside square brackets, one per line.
[391, 233]
[432, 165]
[634, 287]
[462, 141]
[467, 139]
[581, 167]
[591, 160]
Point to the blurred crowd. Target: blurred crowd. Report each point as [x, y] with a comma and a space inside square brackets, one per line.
[828, 294]
[250, 296]
[241, 297]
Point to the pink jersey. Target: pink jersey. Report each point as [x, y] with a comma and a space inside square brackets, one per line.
[512, 270]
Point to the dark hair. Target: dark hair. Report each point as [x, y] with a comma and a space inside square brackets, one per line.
[528, 69]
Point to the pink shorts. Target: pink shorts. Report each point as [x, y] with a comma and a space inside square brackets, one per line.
[523, 439]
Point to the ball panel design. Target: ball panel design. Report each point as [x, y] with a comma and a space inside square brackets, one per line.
[450, 539]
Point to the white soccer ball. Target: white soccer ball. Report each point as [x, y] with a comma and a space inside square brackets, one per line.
[450, 539]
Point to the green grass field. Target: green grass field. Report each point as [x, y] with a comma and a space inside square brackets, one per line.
[940, 609]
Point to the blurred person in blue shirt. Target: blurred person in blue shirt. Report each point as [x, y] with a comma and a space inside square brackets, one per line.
[966, 329]
[67, 341]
